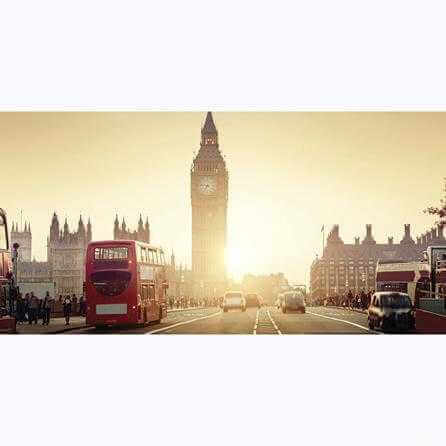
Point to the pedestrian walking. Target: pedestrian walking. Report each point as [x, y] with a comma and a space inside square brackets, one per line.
[67, 309]
[26, 306]
[40, 309]
[33, 308]
[12, 298]
[47, 307]
[20, 308]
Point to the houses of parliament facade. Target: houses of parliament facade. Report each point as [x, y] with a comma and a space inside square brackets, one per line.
[352, 266]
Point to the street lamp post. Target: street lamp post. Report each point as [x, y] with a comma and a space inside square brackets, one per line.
[13, 291]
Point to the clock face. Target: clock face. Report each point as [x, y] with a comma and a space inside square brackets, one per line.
[207, 185]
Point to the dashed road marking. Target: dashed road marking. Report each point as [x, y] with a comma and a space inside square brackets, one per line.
[345, 322]
[159, 330]
[256, 323]
[272, 321]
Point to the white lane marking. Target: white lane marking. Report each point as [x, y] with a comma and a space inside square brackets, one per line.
[158, 330]
[257, 322]
[345, 322]
[272, 321]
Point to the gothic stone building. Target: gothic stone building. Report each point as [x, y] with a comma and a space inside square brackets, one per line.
[209, 199]
[65, 265]
[346, 267]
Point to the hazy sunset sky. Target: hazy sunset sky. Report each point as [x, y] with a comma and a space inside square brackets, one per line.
[289, 173]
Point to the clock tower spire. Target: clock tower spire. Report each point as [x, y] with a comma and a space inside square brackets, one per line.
[209, 198]
[209, 134]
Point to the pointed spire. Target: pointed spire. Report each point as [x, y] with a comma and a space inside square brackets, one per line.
[209, 126]
[140, 225]
[65, 226]
[81, 226]
[29, 228]
[124, 226]
[147, 231]
[89, 230]
[116, 220]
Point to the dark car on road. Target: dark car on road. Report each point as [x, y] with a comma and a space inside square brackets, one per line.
[253, 300]
[391, 311]
[293, 301]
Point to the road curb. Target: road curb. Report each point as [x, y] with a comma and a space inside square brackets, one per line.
[63, 330]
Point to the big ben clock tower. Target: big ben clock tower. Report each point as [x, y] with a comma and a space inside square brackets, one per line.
[209, 195]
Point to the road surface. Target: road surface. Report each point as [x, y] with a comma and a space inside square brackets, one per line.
[267, 320]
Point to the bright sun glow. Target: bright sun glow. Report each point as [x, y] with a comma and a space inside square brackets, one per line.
[238, 262]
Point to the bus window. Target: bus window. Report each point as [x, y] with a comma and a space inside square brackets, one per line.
[3, 234]
[112, 253]
[150, 256]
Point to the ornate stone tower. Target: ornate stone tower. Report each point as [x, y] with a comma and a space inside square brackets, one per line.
[24, 239]
[66, 255]
[209, 196]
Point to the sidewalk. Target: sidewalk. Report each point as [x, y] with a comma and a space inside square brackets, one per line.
[57, 325]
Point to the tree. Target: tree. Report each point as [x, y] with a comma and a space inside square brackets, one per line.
[440, 212]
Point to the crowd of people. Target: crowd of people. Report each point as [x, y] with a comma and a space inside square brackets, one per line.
[31, 308]
[359, 301]
[190, 302]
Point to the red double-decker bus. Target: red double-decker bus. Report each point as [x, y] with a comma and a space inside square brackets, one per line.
[125, 283]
